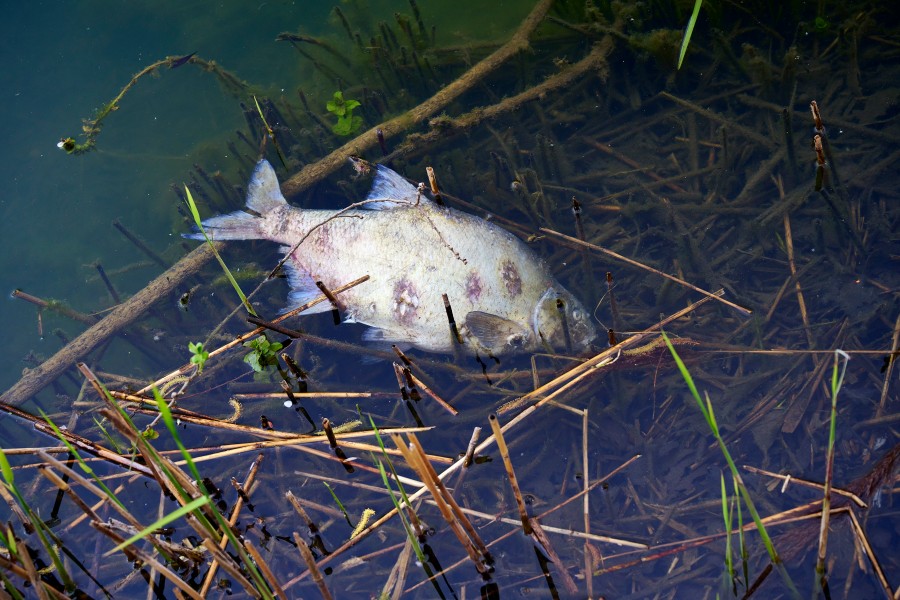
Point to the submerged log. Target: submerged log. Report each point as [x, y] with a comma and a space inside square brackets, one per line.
[34, 380]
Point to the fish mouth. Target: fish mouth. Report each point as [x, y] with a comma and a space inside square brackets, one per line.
[561, 320]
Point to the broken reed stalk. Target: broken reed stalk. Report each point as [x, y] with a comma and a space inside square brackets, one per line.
[310, 561]
[578, 244]
[266, 571]
[55, 306]
[457, 511]
[510, 473]
[789, 246]
[413, 456]
[141, 245]
[440, 100]
[470, 449]
[232, 520]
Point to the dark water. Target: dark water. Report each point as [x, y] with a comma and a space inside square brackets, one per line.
[713, 227]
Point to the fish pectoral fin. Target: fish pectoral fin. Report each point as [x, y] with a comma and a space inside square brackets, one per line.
[379, 336]
[303, 290]
[495, 333]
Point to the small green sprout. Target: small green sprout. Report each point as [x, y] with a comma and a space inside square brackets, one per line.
[198, 355]
[347, 123]
[263, 353]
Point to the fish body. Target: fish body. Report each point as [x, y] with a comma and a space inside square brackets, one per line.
[503, 297]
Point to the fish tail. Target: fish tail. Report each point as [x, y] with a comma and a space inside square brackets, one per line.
[263, 196]
[235, 226]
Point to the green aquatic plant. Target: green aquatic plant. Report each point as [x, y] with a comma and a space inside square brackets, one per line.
[347, 122]
[198, 355]
[263, 353]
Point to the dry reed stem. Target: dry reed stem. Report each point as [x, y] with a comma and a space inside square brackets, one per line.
[543, 545]
[413, 457]
[578, 243]
[585, 507]
[454, 506]
[860, 534]
[188, 367]
[30, 570]
[397, 577]
[811, 484]
[789, 245]
[421, 385]
[310, 561]
[510, 472]
[264, 567]
[888, 372]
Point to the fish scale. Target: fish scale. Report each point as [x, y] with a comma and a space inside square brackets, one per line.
[413, 250]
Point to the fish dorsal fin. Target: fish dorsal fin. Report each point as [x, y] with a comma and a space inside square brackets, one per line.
[495, 333]
[390, 190]
[263, 191]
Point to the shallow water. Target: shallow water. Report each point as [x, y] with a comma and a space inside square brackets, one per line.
[712, 230]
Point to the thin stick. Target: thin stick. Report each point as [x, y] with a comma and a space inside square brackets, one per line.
[864, 540]
[510, 473]
[585, 508]
[454, 506]
[578, 243]
[55, 306]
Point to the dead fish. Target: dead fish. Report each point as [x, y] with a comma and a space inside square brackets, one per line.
[413, 251]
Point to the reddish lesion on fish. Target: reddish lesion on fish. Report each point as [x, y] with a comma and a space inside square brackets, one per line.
[511, 278]
[322, 239]
[406, 302]
[474, 287]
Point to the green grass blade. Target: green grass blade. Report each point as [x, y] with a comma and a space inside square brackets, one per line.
[339, 503]
[689, 31]
[237, 288]
[708, 413]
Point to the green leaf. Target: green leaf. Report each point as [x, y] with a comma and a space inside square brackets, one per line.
[689, 31]
[6, 469]
[350, 105]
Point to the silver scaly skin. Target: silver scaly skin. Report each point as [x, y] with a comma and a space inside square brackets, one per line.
[413, 250]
